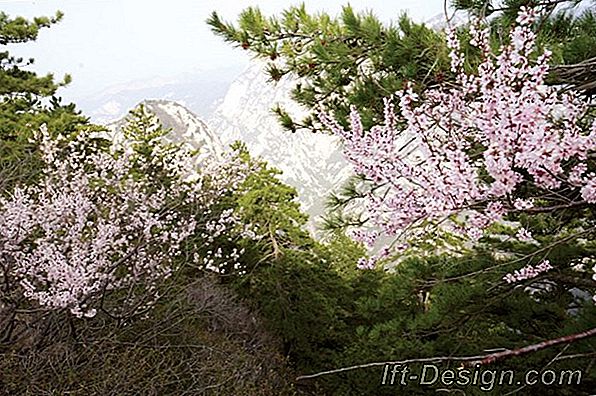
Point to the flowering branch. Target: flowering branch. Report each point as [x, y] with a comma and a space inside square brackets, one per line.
[500, 141]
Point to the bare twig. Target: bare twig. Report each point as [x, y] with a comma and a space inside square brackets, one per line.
[466, 360]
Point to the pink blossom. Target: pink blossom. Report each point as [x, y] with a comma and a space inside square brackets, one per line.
[366, 264]
[528, 272]
[589, 190]
[93, 225]
[524, 235]
[430, 168]
[522, 204]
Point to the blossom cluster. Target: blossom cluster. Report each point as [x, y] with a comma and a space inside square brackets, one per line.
[218, 261]
[219, 236]
[368, 238]
[98, 221]
[465, 150]
[528, 272]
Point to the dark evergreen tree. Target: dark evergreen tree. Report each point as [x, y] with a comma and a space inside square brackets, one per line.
[27, 101]
[350, 60]
[354, 59]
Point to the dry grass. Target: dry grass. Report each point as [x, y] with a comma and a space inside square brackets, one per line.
[199, 341]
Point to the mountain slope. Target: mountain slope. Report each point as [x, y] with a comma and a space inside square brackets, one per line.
[312, 163]
[185, 127]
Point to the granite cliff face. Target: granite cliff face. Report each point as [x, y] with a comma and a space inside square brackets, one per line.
[312, 163]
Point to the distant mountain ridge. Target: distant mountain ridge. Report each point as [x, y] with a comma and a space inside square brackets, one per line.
[199, 91]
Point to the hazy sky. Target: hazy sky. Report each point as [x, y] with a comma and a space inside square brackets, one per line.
[102, 43]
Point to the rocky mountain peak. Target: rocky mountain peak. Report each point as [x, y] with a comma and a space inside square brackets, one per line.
[185, 127]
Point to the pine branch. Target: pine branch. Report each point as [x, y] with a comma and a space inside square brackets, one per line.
[20, 30]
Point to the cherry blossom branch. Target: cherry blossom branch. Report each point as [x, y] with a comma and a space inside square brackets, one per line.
[486, 147]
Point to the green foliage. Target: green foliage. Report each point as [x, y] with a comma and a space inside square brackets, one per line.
[142, 127]
[27, 101]
[350, 60]
[147, 138]
[329, 315]
[18, 30]
[266, 201]
[14, 80]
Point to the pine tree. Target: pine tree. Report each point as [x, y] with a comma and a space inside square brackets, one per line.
[350, 60]
[27, 101]
[356, 60]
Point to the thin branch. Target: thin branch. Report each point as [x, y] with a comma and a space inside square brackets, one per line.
[466, 360]
[519, 259]
[536, 347]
